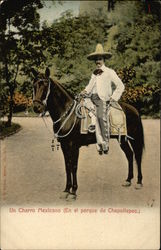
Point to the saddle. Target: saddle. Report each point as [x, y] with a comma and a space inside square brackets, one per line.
[115, 116]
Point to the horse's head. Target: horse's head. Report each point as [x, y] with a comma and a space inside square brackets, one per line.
[41, 90]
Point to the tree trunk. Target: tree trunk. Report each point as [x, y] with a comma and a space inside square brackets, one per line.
[11, 92]
[8, 124]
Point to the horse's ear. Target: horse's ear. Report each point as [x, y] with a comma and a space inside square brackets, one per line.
[47, 72]
[34, 72]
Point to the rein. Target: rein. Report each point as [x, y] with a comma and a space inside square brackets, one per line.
[65, 121]
[71, 108]
[56, 135]
[64, 115]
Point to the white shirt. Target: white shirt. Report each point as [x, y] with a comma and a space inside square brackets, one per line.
[102, 85]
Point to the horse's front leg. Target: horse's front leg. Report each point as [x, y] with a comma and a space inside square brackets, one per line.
[67, 158]
[74, 153]
[71, 153]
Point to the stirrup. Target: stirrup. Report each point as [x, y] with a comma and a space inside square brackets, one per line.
[106, 151]
[91, 128]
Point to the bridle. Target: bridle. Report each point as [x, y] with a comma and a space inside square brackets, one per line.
[43, 102]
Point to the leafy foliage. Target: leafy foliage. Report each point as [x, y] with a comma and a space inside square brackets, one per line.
[144, 98]
[132, 35]
[20, 27]
[20, 102]
[70, 40]
[135, 43]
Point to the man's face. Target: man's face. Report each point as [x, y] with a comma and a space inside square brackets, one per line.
[99, 62]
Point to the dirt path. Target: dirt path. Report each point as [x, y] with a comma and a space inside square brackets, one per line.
[36, 175]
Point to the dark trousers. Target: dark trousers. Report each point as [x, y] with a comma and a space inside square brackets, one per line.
[101, 109]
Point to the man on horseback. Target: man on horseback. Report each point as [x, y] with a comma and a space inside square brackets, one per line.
[100, 90]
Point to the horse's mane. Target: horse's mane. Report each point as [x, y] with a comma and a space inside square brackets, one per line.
[60, 86]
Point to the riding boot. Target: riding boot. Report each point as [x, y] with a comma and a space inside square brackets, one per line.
[105, 147]
[101, 108]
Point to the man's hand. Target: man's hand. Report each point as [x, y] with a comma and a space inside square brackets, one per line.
[111, 99]
[83, 92]
[81, 95]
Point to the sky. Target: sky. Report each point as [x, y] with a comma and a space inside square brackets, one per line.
[54, 11]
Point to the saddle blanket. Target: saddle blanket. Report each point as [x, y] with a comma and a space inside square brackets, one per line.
[116, 116]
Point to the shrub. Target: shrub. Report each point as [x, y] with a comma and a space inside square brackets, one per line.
[145, 98]
[20, 102]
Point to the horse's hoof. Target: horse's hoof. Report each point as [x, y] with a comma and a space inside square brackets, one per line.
[71, 197]
[64, 195]
[126, 184]
[138, 186]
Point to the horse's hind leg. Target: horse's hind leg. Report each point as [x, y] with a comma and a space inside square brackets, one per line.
[138, 156]
[75, 155]
[129, 155]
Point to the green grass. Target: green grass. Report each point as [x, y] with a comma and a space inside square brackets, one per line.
[6, 131]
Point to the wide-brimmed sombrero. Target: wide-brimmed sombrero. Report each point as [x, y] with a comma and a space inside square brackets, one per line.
[99, 52]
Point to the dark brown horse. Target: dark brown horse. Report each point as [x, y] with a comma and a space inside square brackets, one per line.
[50, 95]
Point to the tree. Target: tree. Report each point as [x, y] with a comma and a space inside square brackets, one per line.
[68, 41]
[64, 46]
[111, 4]
[134, 39]
[15, 45]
